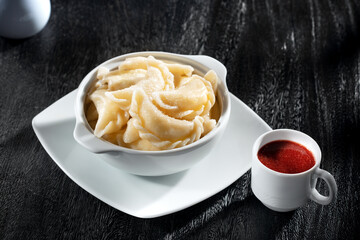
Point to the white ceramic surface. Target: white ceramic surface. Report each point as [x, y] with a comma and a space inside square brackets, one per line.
[23, 18]
[286, 192]
[154, 163]
[148, 197]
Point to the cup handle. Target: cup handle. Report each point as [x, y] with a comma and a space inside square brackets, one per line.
[330, 181]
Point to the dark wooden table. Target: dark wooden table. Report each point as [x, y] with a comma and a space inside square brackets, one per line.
[295, 63]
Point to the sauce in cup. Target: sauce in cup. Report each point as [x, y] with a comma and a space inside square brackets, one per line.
[286, 157]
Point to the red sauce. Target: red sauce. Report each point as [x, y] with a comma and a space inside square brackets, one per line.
[286, 157]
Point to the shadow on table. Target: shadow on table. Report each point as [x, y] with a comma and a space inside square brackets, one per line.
[259, 222]
[244, 219]
[340, 45]
[235, 212]
[7, 43]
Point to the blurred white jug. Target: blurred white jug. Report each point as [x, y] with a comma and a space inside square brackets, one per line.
[23, 18]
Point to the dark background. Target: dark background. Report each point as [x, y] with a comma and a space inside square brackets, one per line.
[295, 63]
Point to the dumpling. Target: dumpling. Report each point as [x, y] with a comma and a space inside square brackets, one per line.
[145, 63]
[152, 82]
[162, 130]
[111, 118]
[124, 80]
[193, 97]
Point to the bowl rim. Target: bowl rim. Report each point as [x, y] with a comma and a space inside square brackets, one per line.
[89, 78]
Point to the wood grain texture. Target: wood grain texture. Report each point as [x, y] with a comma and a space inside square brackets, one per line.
[295, 63]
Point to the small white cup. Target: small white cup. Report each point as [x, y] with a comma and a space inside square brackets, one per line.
[284, 192]
[23, 18]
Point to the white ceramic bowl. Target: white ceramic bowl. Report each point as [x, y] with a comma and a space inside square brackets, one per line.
[154, 163]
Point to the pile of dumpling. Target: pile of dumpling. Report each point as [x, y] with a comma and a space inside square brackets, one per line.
[147, 104]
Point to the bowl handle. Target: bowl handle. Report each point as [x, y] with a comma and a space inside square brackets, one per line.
[86, 139]
[212, 63]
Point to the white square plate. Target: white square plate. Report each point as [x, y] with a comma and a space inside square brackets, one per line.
[148, 197]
